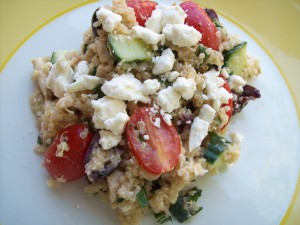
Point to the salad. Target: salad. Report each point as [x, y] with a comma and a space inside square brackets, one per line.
[142, 110]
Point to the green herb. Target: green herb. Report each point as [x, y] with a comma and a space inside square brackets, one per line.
[39, 140]
[97, 90]
[94, 71]
[162, 217]
[186, 205]
[164, 80]
[202, 49]
[119, 200]
[217, 23]
[215, 148]
[218, 120]
[142, 198]
[85, 48]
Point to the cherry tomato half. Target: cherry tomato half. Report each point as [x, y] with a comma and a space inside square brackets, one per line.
[198, 18]
[142, 8]
[229, 103]
[159, 152]
[65, 156]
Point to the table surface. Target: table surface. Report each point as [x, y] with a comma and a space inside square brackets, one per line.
[273, 24]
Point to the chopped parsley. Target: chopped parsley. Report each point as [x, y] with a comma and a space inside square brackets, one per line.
[215, 148]
[186, 205]
[142, 197]
[162, 217]
[97, 90]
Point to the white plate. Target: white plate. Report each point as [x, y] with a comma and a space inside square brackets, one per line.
[256, 190]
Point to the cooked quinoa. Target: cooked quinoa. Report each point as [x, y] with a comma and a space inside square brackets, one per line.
[89, 87]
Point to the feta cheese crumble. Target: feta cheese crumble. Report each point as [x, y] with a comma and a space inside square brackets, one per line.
[60, 76]
[207, 113]
[108, 19]
[182, 34]
[163, 15]
[109, 140]
[125, 87]
[185, 87]
[163, 63]
[151, 86]
[110, 114]
[168, 99]
[236, 83]
[199, 130]
[214, 88]
[84, 82]
[236, 137]
[147, 35]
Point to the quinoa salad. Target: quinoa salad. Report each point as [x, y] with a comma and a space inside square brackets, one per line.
[141, 109]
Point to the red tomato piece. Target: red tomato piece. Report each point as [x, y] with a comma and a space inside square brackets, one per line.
[229, 103]
[158, 154]
[65, 156]
[198, 18]
[142, 8]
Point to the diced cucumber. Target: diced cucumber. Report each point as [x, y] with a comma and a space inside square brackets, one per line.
[66, 53]
[124, 48]
[236, 58]
[215, 148]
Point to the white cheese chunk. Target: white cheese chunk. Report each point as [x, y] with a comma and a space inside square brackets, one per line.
[84, 82]
[185, 87]
[147, 35]
[125, 87]
[199, 130]
[182, 34]
[108, 140]
[173, 14]
[236, 137]
[168, 99]
[154, 21]
[157, 122]
[60, 76]
[117, 123]
[108, 19]
[82, 69]
[167, 118]
[214, 89]
[173, 75]
[106, 108]
[151, 86]
[236, 83]
[207, 113]
[163, 15]
[224, 73]
[163, 63]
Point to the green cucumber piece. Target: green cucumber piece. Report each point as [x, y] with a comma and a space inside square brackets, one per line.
[236, 58]
[66, 53]
[215, 148]
[124, 48]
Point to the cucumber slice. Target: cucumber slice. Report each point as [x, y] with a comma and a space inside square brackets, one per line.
[66, 53]
[124, 48]
[236, 58]
[215, 148]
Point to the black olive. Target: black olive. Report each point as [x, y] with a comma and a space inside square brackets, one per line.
[95, 19]
[249, 93]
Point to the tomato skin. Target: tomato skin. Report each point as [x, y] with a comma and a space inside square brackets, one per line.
[229, 103]
[198, 18]
[161, 152]
[71, 165]
[142, 8]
